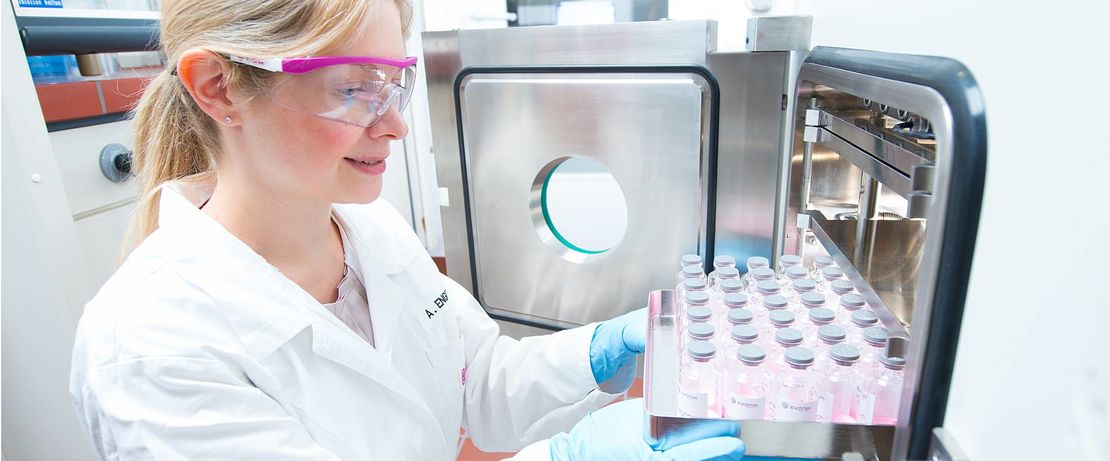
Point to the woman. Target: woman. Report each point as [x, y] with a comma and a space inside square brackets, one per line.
[275, 309]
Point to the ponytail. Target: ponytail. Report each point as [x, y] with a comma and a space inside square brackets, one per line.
[174, 140]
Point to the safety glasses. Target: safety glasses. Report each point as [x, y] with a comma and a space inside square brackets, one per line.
[357, 90]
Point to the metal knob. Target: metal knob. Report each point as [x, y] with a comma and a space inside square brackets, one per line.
[115, 162]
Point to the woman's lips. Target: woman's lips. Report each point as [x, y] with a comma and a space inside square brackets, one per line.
[372, 167]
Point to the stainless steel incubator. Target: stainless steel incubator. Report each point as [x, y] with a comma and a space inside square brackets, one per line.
[874, 159]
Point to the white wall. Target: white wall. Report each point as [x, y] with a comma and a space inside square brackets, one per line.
[45, 279]
[1028, 383]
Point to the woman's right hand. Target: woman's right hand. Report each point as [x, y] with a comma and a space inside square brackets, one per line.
[615, 433]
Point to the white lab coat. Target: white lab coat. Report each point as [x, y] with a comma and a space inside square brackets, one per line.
[197, 348]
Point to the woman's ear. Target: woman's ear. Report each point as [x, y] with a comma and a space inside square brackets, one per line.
[204, 75]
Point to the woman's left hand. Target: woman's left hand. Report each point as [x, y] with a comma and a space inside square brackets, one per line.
[615, 345]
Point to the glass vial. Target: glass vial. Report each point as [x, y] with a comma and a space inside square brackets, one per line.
[687, 273]
[690, 260]
[794, 397]
[861, 320]
[776, 345]
[828, 336]
[838, 385]
[816, 318]
[698, 332]
[698, 380]
[881, 395]
[721, 262]
[787, 261]
[695, 309]
[744, 387]
[740, 335]
[873, 346]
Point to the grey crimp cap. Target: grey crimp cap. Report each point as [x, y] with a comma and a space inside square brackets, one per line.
[852, 301]
[738, 316]
[841, 286]
[845, 353]
[763, 273]
[736, 299]
[804, 285]
[767, 286]
[821, 314]
[699, 313]
[691, 260]
[744, 333]
[823, 261]
[692, 271]
[875, 336]
[750, 353]
[788, 336]
[693, 284]
[895, 363]
[812, 299]
[700, 330]
[775, 302]
[781, 317]
[790, 260]
[796, 272]
[697, 297]
[758, 261]
[731, 285]
[864, 318]
[831, 333]
[798, 356]
[832, 272]
[701, 349]
[724, 260]
[727, 272]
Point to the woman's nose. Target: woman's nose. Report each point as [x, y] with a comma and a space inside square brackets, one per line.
[392, 125]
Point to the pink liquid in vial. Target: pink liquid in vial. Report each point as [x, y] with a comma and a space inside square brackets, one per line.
[698, 380]
[795, 397]
[879, 398]
[838, 385]
[743, 388]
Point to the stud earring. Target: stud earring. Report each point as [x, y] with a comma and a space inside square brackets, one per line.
[227, 120]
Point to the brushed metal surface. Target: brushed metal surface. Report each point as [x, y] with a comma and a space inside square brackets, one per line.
[886, 275]
[627, 44]
[446, 54]
[664, 428]
[442, 64]
[749, 149]
[778, 33]
[646, 128]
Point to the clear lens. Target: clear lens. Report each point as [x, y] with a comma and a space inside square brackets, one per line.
[357, 94]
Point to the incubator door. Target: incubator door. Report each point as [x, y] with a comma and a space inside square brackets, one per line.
[578, 163]
[568, 174]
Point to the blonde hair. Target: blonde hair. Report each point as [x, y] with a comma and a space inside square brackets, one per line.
[174, 138]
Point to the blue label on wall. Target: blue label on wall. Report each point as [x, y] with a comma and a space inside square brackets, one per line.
[40, 3]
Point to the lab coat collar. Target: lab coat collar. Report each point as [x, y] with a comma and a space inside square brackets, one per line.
[376, 256]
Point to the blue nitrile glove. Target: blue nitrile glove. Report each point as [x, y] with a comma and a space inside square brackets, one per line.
[614, 347]
[616, 433]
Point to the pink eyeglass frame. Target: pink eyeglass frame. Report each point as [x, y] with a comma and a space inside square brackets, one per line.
[303, 65]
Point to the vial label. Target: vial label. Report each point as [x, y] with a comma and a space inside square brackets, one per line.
[865, 408]
[825, 407]
[694, 404]
[789, 410]
[744, 408]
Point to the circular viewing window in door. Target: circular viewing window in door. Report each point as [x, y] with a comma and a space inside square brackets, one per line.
[578, 208]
